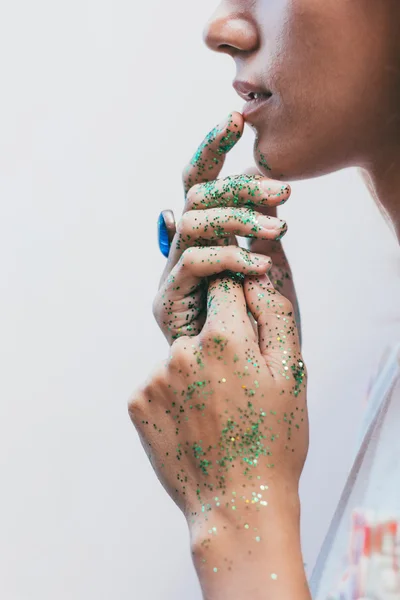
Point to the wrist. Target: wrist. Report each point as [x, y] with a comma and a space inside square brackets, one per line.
[256, 553]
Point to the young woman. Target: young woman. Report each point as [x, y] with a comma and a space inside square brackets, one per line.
[224, 419]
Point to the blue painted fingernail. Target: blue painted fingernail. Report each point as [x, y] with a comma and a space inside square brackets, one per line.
[163, 238]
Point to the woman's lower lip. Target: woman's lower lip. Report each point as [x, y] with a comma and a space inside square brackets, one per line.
[254, 106]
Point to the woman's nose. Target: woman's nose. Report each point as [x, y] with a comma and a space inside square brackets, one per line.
[231, 34]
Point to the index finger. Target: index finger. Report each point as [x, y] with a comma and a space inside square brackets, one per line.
[205, 165]
[208, 160]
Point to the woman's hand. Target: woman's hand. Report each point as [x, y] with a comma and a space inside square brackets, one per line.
[215, 211]
[224, 423]
[280, 273]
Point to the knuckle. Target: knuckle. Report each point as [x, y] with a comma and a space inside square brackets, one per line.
[193, 196]
[237, 251]
[137, 406]
[229, 256]
[186, 174]
[163, 309]
[180, 352]
[140, 402]
[156, 308]
[154, 385]
[184, 224]
[241, 255]
[162, 305]
[189, 256]
[285, 305]
[215, 334]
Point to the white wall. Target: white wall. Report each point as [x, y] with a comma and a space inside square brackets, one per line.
[101, 104]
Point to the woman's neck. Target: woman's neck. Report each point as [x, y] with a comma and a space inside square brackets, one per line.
[383, 180]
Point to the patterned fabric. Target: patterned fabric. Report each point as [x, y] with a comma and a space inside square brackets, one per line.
[373, 559]
[360, 557]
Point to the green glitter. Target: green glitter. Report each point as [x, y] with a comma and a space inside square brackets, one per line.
[299, 374]
[262, 161]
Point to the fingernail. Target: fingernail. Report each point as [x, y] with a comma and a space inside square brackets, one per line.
[271, 223]
[231, 137]
[285, 192]
[284, 229]
[163, 239]
[261, 259]
[224, 124]
[225, 144]
[272, 192]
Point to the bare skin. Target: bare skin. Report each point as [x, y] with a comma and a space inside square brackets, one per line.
[260, 194]
[333, 70]
[225, 427]
[224, 419]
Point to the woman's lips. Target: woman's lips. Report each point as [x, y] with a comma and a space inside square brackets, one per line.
[254, 106]
[256, 98]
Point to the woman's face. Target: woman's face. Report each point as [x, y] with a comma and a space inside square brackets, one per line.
[328, 76]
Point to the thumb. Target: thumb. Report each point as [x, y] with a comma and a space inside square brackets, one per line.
[277, 329]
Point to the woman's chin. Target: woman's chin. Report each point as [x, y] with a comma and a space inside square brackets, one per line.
[268, 163]
[283, 164]
[280, 155]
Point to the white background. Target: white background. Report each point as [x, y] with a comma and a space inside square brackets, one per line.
[101, 104]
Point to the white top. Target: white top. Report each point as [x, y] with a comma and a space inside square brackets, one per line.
[360, 558]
